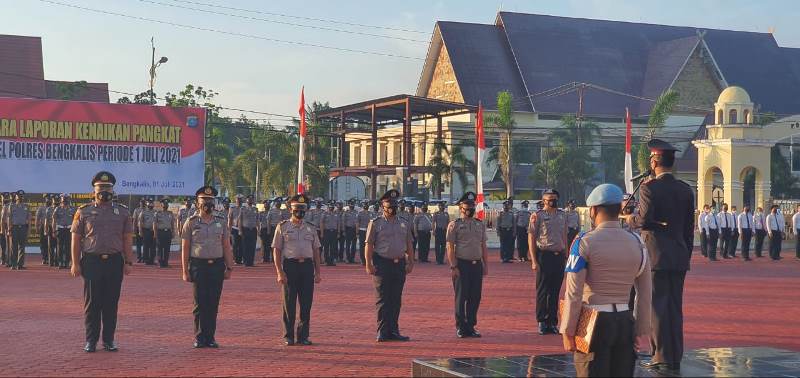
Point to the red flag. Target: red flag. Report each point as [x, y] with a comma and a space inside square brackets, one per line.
[302, 112]
[628, 162]
[481, 146]
[301, 148]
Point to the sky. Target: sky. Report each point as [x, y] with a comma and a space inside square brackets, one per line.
[248, 61]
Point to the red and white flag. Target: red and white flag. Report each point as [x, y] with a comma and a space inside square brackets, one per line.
[301, 149]
[628, 163]
[481, 146]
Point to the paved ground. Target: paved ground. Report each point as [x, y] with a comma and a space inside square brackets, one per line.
[728, 303]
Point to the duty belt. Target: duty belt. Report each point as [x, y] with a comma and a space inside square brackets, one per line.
[610, 307]
[299, 260]
[208, 261]
[473, 262]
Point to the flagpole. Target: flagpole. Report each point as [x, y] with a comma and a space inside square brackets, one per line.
[480, 145]
[302, 138]
[628, 161]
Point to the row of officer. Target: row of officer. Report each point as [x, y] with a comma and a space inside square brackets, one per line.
[15, 219]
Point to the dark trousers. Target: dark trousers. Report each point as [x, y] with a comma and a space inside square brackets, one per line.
[266, 235]
[249, 239]
[350, 243]
[522, 243]
[612, 351]
[506, 243]
[549, 275]
[440, 244]
[775, 242]
[389, 279]
[330, 246]
[724, 241]
[52, 247]
[207, 280]
[797, 243]
[44, 245]
[236, 237]
[713, 236]
[148, 246]
[424, 245]
[667, 319]
[468, 287]
[163, 244]
[760, 235]
[19, 238]
[340, 245]
[362, 243]
[3, 249]
[137, 238]
[299, 287]
[734, 242]
[703, 243]
[64, 247]
[571, 234]
[747, 235]
[102, 282]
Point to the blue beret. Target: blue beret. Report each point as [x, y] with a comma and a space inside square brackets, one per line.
[604, 194]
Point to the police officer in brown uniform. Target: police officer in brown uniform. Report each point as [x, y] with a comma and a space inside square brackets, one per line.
[389, 258]
[145, 225]
[248, 223]
[468, 258]
[423, 224]
[349, 224]
[363, 218]
[101, 253]
[164, 229]
[331, 226]
[264, 232]
[441, 219]
[296, 253]
[506, 231]
[5, 243]
[236, 232]
[523, 218]
[62, 221]
[547, 239]
[206, 261]
[137, 237]
[573, 222]
[184, 213]
[39, 221]
[19, 217]
[50, 229]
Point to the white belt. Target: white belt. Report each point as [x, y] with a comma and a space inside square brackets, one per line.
[235, 228]
[60, 227]
[610, 307]
[362, 228]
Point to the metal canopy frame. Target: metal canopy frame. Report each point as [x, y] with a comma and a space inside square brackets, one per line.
[379, 113]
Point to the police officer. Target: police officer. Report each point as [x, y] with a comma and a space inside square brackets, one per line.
[468, 258]
[746, 228]
[702, 218]
[666, 218]
[340, 238]
[775, 229]
[248, 222]
[547, 239]
[603, 265]
[184, 213]
[286, 214]
[349, 224]
[314, 216]
[264, 232]
[506, 230]
[573, 222]
[137, 237]
[101, 253]
[363, 218]
[5, 243]
[423, 224]
[389, 258]
[440, 222]
[409, 218]
[236, 233]
[296, 253]
[759, 224]
[39, 221]
[273, 218]
[62, 221]
[164, 229]
[50, 230]
[330, 224]
[712, 232]
[206, 261]
[523, 217]
[19, 217]
[145, 225]
[725, 220]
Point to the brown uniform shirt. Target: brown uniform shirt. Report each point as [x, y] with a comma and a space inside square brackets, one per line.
[349, 218]
[102, 227]
[248, 217]
[389, 237]
[468, 237]
[549, 230]
[62, 217]
[364, 216]
[164, 220]
[441, 219]
[331, 220]
[296, 241]
[233, 216]
[205, 238]
[423, 222]
[145, 219]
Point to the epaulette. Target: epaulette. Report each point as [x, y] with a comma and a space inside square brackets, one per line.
[122, 206]
[284, 221]
[84, 205]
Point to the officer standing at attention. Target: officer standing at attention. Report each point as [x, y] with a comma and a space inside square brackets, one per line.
[62, 221]
[468, 258]
[264, 232]
[233, 224]
[760, 227]
[296, 254]
[702, 225]
[350, 222]
[274, 217]
[666, 218]
[547, 238]
[248, 222]
[50, 230]
[101, 253]
[5, 241]
[522, 220]
[364, 216]
[573, 222]
[145, 225]
[19, 218]
[184, 213]
[38, 223]
[506, 231]
[734, 233]
[775, 230]
[340, 236]
[164, 229]
[745, 222]
[725, 220]
[712, 230]
[206, 261]
[603, 265]
[137, 237]
[423, 224]
[389, 259]
[330, 224]
[441, 219]
[314, 216]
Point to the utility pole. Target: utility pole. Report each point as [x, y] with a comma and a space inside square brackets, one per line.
[579, 118]
[153, 66]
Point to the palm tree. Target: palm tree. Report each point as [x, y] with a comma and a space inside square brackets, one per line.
[460, 164]
[439, 168]
[218, 155]
[504, 121]
[567, 166]
[662, 109]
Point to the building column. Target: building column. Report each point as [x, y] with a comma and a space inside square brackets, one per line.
[704, 192]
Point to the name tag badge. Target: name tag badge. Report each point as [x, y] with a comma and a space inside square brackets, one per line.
[116, 211]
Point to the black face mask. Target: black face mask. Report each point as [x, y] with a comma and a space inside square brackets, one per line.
[299, 214]
[208, 207]
[469, 212]
[424, 209]
[391, 210]
[104, 196]
[150, 207]
[553, 203]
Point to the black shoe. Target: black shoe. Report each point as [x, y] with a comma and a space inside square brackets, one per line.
[90, 347]
[212, 344]
[383, 338]
[397, 336]
[288, 342]
[21, 268]
[660, 366]
[543, 328]
[330, 264]
[305, 342]
[198, 344]
[474, 333]
[461, 334]
[713, 259]
[554, 330]
[110, 347]
[726, 257]
[748, 259]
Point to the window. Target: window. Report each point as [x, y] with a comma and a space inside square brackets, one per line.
[732, 117]
[357, 156]
[719, 117]
[746, 117]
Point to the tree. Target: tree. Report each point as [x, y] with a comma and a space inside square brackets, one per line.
[661, 111]
[504, 121]
[145, 98]
[68, 90]
[460, 164]
[780, 171]
[567, 166]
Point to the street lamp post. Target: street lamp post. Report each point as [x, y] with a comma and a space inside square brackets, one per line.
[153, 66]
